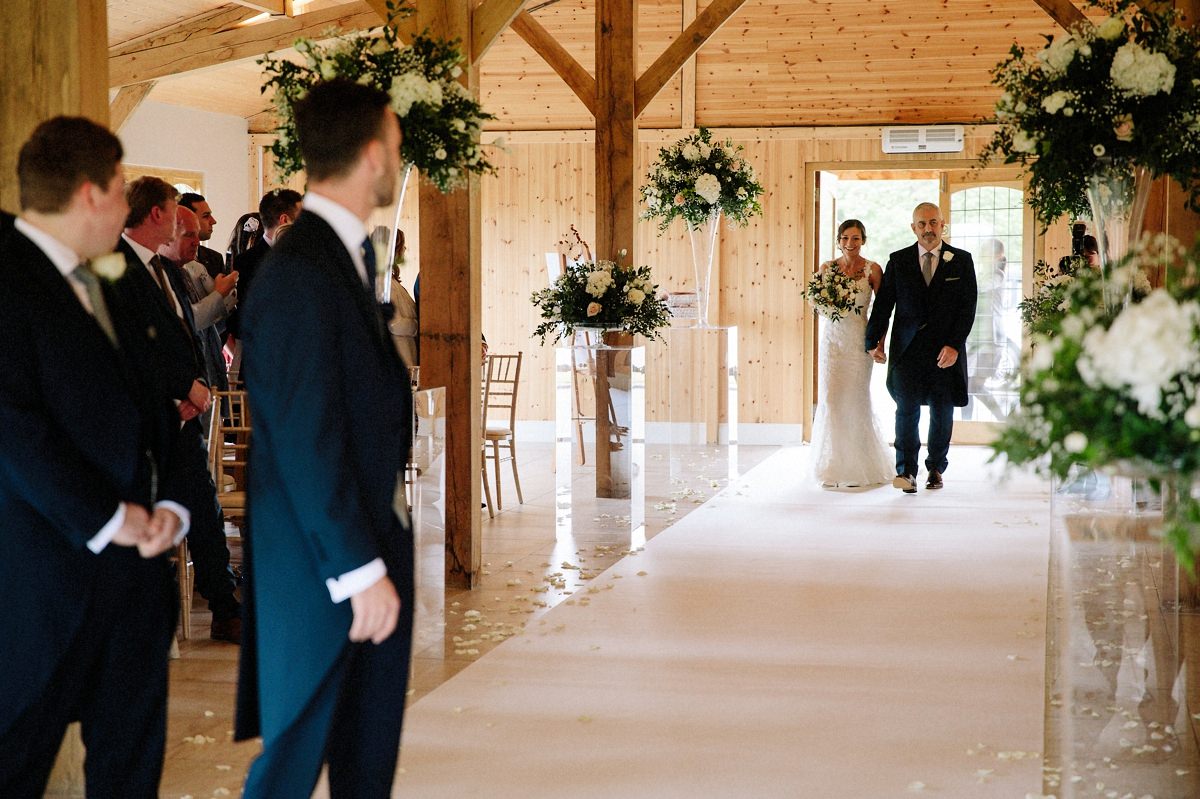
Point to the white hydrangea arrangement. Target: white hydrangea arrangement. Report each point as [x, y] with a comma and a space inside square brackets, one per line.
[1124, 92]
[696, 176]
[442, 121]
[1115, 380]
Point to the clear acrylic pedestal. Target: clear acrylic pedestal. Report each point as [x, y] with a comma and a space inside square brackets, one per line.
[702, 409]
[600, 446]
[425, 484]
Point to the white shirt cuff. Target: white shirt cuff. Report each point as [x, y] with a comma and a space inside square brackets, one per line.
[108, 532]
[185, 517]
[356, 581]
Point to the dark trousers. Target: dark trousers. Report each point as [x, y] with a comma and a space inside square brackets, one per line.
[113, 679]
[352, 723]
[908, 436]
[206, 538]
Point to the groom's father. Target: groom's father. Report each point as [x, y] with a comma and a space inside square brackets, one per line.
[931, 288]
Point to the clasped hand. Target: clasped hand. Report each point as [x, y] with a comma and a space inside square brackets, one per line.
[152, 534]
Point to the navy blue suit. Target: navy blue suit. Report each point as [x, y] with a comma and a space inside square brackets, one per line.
[927, 318]
[331, 406]
[85, 636]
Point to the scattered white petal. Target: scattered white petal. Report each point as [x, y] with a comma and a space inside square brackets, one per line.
[915, 787]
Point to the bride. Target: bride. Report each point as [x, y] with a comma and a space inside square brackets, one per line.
[848, 450]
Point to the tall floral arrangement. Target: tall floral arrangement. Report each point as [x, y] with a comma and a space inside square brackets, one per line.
[696, 176]
[442, 121]
[1124, 92]
[1114, 379]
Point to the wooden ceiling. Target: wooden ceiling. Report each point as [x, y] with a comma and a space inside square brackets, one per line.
[789, 63]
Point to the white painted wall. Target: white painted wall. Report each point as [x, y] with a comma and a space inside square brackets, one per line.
[170, 136]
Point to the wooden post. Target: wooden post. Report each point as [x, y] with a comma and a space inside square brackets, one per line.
[55, 62]
[616, 145]
[451, 308]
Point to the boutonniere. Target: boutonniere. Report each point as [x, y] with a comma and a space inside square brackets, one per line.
[947, 257]
[110, 267]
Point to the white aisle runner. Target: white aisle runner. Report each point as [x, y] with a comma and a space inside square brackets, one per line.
[783, 641]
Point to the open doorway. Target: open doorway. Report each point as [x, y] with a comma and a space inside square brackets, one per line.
[985, 215]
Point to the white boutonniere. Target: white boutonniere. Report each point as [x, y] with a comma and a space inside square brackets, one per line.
[947, 257]
[110, 267]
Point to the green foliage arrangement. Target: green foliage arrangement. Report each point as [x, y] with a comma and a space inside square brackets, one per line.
[1110, 96]
[601, 294]
[442, 121]
[694, 177]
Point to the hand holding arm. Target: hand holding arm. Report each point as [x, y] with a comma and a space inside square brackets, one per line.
[160, 533]
[133, 529]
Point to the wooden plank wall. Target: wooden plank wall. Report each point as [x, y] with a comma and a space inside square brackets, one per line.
[546, 184]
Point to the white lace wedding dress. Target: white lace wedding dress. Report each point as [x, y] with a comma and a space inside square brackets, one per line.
[847, 448]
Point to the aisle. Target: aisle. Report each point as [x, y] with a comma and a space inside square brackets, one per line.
[779, 641]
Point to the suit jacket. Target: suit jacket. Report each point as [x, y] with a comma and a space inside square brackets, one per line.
[332, 409]
[943, 311]
[213, 261]
[80, 431]
[174, 357]
[208, 307]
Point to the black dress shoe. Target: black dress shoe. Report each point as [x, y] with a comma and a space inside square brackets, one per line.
[905, 483]
[935, 480]
[227, 630]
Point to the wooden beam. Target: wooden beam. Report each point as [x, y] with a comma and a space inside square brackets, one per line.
[687, 86]
[126, 102]
[684, 47]
[554, 54]
[276, 8]
[262, 122]
[1064, 13]
[218, 19]
[248, 41]
[488, 21]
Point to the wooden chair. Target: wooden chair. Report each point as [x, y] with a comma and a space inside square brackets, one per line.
[501, 379]
[228, 445]
[186, 575]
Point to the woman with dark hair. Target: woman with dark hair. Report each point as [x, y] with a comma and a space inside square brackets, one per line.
[848, 449]
[246, 233]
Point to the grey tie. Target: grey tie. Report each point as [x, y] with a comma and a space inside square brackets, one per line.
[927, 267]
[91, 285]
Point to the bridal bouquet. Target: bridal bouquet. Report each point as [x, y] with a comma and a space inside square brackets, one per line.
[696, 177]
[833, 293]
[442, 121]
[1122, 93]
[1114, 381]
[602, 294]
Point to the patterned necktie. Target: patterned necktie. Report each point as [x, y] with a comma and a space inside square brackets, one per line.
[91, 284]
[927, 267]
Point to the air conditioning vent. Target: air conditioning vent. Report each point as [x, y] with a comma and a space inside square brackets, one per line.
[923, 139]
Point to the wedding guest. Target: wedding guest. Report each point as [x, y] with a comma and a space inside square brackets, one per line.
[930, 286]
[87, 604]
[404, 326]
[155, 294]
[213, 261]
[330, 563]
[277, 207]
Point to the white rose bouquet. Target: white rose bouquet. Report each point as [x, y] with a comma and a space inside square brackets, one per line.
[442, 121]
[696, 176]
[833, 293]
[1114, 381]
[601, 294]
[1125, 92]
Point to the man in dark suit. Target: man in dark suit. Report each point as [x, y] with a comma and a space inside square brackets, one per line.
[87, 605]
[330, 567]
[931, 287]
[277, 207]
[157, 296]
[213, 261]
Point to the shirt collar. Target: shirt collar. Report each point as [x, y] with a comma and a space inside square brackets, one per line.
[144, 254]
[63, 257]
[348, 227]
[936, 250]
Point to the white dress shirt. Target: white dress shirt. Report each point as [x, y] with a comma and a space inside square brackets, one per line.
[933, 263]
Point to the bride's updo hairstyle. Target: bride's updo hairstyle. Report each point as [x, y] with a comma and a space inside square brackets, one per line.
[849, 223]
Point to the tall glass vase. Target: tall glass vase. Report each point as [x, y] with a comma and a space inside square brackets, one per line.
[1117, 193]
[385, 239]
[704, 245]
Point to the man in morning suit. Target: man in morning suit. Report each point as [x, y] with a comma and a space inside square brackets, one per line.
[330, 565]
[214, 262]
[931, 288]
[87, 603]
[155, 294]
